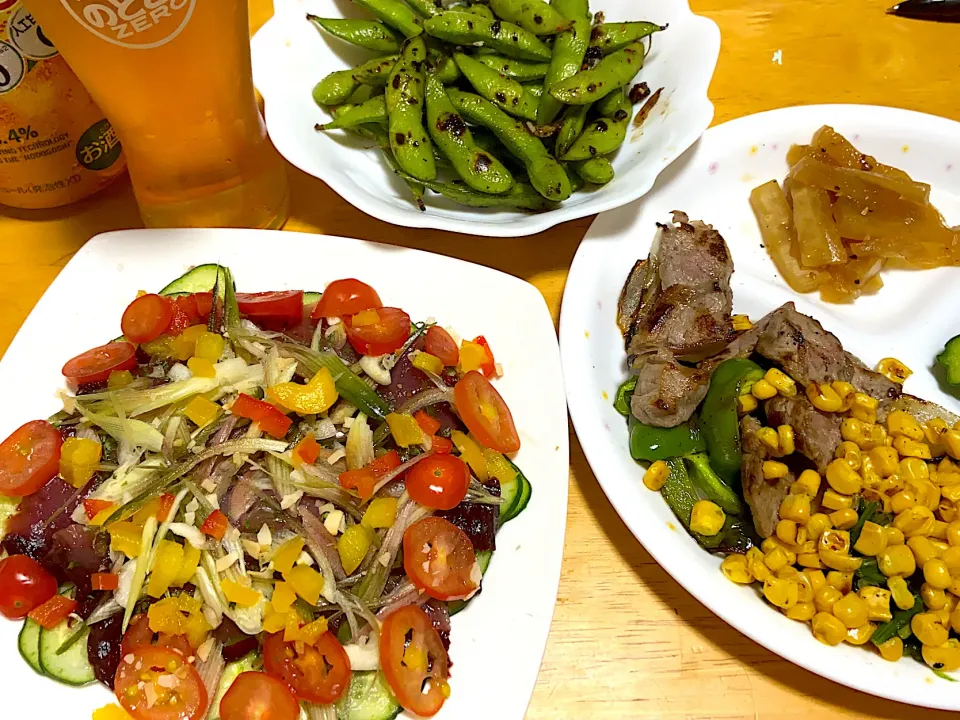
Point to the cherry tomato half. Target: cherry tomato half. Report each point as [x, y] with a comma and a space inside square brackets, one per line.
[177, 692]
[438, 481]
[319, 674]
[147, 318]
[280, 305]
[24, 585]
[439, 558]
[29, 458]
[441, 344]
[257, 696]
[346, 297]
[485, 413]
[96, 365]
[414, 661]
[386, 335]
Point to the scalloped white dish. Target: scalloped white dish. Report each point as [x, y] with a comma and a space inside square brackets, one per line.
[506, 626]
[290, 56]
[910, 318]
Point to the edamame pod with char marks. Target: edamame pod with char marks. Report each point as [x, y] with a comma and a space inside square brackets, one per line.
[573, 121]
[477, 168]
[373, 110]
[610, 37]
[518, 70]
[404, 95]
[426, 8]
[597, 171]
[612, 73]
[569, 49]
[367, 34]
[336, 88]
[375, 72]
[395, 14]
[605, 134]
[479, 9]
[463, 28]
[522, 196]
[534, 16]
[509, 95]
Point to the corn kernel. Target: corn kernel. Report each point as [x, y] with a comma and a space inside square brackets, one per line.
[741, 322]
[842, 581]
[871, 478]
[806, 589]
[938, 532]
[707, 518]
[872, 539]
[947, 512]
[903, 424]
[817, 525]
[951, 491]
[843, 478]
[809, 560]
[828, 629]
[807, 484]
[896, 560]
[851, 430]
[763, 390]
[936, 574]
[768, 436]
[844, 519]
[861, 635]
[834, 551]
[816, 578]
[933, 598]
[784, 384]
[773, 470]
[933, 429]
[900, 592]
[846, 391]
[656, 475]
[917, 520]
[777, 559]
[736, 569]
[885, 460]
[928, 495]
[825, 597]
[945, 657]
[850, 453]
[877, 600]
[787, 443]
[894, 370]
[796, 508]
[912, 448]
[787, 531]
[824, 398]
[951, 443]
[955, 619]
[757, 565]
[903, 500]
[864, 408]
[951, 556]
[928, 629]
[953, 534]
[747, 404]
[832, 500]
[802, 611]
[782, 593]
[892, 649]
[913, 470]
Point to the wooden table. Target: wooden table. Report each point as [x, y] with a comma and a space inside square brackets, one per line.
[627, 641]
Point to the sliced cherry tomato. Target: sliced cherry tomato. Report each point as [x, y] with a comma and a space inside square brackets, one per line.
[414, 661]
[29, 458]
[386, 335]
[285, 305]
[439, 559]
[104, 581]
[319, 674]
[97, 364]
[441, 344]
[485, 413]
[188, 306]
[93, 507]
[204, 302]
[271, 421]
[258, 696]
[439, 482]
[441, 445]
[140, 634]
[180, 322]
[53, 611]
[346, 297]
[147, 318]
[180, 643]
[24, 586]
[176, 691]
[215, 525]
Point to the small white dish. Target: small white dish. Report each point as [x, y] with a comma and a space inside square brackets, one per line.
[506, 626]
[910, 318]
[290, 56]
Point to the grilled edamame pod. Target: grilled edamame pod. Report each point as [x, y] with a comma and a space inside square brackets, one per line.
[534, 16]
[508, 95]
[373, 110]
[367, 34]
[479, 9]
[441, 64]
[375, 72]
[610, 37]
[573, 122]
[522, 196]
[335, 88]
[569, 50]
[546, 174]
[395, 14]
[610, 74]
[512, 68]
[477, 168]
[462, 28]
[605, 134]
[426, 8]
[597, 171]
[404, 96]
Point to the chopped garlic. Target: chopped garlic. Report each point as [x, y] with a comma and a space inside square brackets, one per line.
[190, 518]
[253, 549]
[167, 681]
[384, 559]
[212, 499]
[325, 508]
[209, 485]
[363, 656]
[264, 537]
[150, 694]
[332, 522]
[288, 501]
[338, 455]
[305, 559]
[80, 515]
[227, 561]
[348, 422]
[203, 652]
[192, 506]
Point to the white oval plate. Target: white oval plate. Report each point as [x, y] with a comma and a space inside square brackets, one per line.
[290, 56]
[506, 626]
[911, 318]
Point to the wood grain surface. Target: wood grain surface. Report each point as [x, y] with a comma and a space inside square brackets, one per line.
[627, 641]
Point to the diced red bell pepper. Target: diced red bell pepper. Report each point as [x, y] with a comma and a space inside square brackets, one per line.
[385, 463]
[180, 322]
[308, 450]
[166, 505]
[92, 507]
[427, 423]
[53, 611]
[362, 480]
[271, 420]
[104, 581]
[489, 368]
[215, 525]
[441, 445]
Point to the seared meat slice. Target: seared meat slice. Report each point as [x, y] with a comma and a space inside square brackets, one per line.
[631, 296]
[667, 392]
[763, 496]
[685, 299]
[922, 410]
[816, 434]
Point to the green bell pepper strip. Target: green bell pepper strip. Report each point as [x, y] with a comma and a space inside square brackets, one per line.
[710, 483]
[621, 403]
[680, 493]
[949, 360]
[650, 443]
[719, 420]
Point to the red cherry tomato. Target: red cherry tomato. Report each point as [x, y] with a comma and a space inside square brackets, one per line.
[485, 413]
[440, 344]
[147, 318]
[257, 696]
[24, 586]
[204, 303]
[319, 674]
[283, 306]
[180, 322]
[96, 365]
[439, 559]
[188, 305]
[176, 690]
[29, 458]
[346, 297]
[411, 654]
[439, 482]
[386, 335]
[140, 634]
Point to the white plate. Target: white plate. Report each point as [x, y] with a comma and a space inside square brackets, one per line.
[506, 626]
[290, 56]
[910, 318]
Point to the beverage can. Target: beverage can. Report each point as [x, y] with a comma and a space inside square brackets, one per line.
[56, 146]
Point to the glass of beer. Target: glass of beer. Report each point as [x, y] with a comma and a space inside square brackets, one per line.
[175, 80]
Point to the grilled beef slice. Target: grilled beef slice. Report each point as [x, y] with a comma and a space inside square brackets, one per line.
[667, 392]
[762, 495]
[816, 434]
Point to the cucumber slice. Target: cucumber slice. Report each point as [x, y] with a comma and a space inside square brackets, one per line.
[483, 560]
[311, 298]
[201, 279]
[516, 496]
[368, 698]
[230, 673]
[29, 644]
[71, 666]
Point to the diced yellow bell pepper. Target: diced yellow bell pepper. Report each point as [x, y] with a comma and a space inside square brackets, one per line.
[471, 453]
[201, 368]
[428, 363]
[405, 429]
[125, 537]
[381, 513]
[365, 317]
[101, 517]
[283, 597]
[472, 356]
[353, 546]
[147, 511]
[243, 595]
[159, 349]
[307, 583]
[499, 467]
[311, 632]
[165, 569]
[78, 460]
[201, 411]
[191, 559]
[119, 379]
[315, 397]
[111, 712]
[173, 614]
[274, 621]
[185, 344]
[291, 631]
[287, 554]
[196, 629]
[209, 347]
